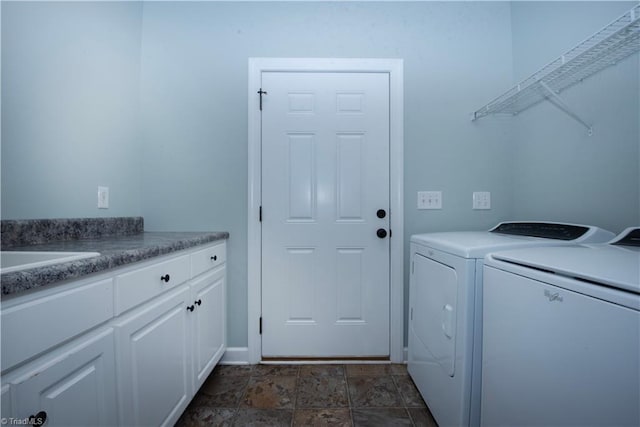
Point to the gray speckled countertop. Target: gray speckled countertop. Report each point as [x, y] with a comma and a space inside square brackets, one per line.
[115, 251]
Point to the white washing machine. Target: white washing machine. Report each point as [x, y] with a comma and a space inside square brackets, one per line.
[561, 337]
[445, 329]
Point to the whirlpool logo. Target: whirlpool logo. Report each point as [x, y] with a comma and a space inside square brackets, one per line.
[553, 296]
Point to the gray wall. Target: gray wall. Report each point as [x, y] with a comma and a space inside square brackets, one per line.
[194, 107]
[560, 173]
[70, 74]
[150, 99]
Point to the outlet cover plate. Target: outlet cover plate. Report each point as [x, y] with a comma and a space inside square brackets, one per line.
[103, 197]
[481, 200]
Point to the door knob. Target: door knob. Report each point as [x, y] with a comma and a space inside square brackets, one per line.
[381, 213]
[382, 233]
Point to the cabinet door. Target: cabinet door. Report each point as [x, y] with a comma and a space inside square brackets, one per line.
[6, 411]
[208, 323]
[152, 347]
[74, 388]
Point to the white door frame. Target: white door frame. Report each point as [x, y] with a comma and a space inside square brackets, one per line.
[394, 67]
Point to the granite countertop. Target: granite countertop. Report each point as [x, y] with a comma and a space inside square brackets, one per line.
[115, 251]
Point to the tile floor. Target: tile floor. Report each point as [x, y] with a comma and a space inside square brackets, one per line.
[308, 395]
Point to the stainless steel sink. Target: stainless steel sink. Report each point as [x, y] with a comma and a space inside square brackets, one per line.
[23, 260]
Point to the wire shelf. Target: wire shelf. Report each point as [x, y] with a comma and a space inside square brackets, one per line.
[607, 47]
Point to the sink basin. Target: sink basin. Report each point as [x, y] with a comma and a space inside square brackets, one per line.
[22, 260]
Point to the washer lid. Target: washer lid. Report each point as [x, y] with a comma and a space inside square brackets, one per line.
[608, 265]
[476, 244]
[511, 235]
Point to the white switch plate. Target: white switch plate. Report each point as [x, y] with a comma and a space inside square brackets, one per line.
[103, 197]
[429, 199]
[481, 200]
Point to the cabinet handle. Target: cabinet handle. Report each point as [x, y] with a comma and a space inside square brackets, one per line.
[198, 302]
[214, 258]
[191, 308]
[38, 419]
[165, 278]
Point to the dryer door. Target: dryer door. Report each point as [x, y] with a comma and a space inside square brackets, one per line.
[434, 315]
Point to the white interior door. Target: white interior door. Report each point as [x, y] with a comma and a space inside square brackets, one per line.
[325, 186]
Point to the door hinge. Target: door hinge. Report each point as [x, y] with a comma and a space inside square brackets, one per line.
[411, 313]
[261, 92]
[260, 214]
[260, 325]
[413, 267]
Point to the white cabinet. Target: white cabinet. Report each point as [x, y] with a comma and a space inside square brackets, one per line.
[168, 348]
[153, 354]
[128, 347]
[47, 320]
[208, 326]
[73, 386]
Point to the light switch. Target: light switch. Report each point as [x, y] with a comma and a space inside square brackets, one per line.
[103, 197]
[429, 199]
[481, 200]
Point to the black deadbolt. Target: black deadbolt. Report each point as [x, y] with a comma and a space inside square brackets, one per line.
[381, 213]
[165, 278]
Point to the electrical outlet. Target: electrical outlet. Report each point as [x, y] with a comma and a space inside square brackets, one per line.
[481, 200]
[103, 197]
[429, 199]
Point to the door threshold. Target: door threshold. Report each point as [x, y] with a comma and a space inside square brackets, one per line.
[324, 360]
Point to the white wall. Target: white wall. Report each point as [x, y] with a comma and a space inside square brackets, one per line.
[70, 108]
[560, 173]
[194, 107]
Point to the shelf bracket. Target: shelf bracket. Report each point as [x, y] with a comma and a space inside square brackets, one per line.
[563, 105]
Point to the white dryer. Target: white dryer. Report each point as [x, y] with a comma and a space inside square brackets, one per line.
[561, 343]
[445, 329]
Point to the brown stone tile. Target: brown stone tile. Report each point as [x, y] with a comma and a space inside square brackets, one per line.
[224, 391]
[270, 393]
[374, 392]
[322, 417]
[422, 417]
[322, 370]
[249, 417]
[410, 394]
[381, 417]
[322, 392]
[202, 416]
[398, 369]
[371, 370]
[275, 370]
[233, 370]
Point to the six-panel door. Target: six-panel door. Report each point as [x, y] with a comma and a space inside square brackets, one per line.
[325, 205]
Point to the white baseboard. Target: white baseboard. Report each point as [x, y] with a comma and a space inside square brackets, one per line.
[240, 356]
[235, 356]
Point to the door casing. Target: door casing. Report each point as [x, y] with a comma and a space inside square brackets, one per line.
[394, 67]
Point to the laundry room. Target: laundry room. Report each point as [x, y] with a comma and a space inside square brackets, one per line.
[161, 110]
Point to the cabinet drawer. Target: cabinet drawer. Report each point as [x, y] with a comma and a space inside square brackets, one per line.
[208, 258]
[34, 326]
[145, 283]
